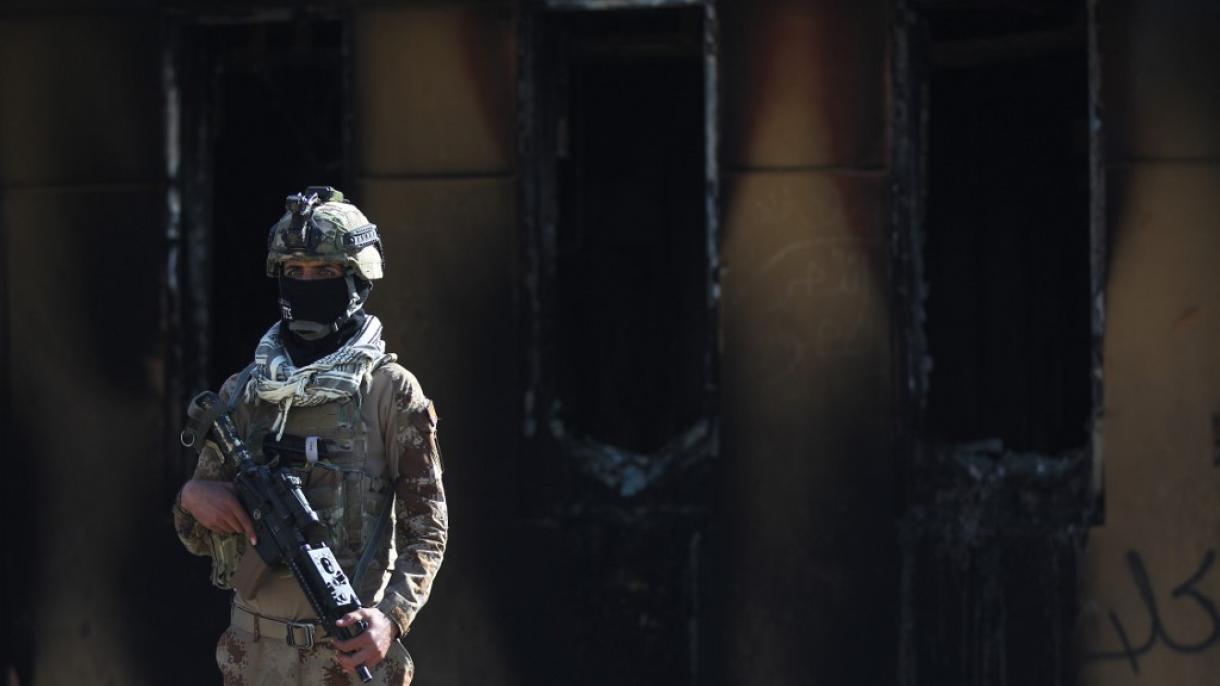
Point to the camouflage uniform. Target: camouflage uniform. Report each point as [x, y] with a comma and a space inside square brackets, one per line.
[395, 418]
[382, 442]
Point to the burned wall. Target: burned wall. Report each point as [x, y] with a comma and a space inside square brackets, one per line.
[434, 144]
[80, 216]
[804, 511]
[808, 548]
[803, 559]
[1149, 582]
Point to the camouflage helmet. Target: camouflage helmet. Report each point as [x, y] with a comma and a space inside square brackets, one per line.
[319, 224]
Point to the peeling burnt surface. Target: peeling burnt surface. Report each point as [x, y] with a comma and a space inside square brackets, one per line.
[1098, 251]
[997, 497]
[972, 495]
[990, 546]
[1000, 612]
[619, 305]
[630, 593]
[909, 120]
[180, 373]
[625, 594]
[628, 473]
[188, 156]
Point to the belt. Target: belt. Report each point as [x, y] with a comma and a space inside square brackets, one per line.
[303, 635]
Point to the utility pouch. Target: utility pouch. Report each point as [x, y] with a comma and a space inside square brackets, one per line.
[325, 489]
[226, 551]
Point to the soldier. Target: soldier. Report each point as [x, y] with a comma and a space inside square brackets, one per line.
[321, 380]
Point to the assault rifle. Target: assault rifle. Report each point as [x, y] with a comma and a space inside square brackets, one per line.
[286, 527]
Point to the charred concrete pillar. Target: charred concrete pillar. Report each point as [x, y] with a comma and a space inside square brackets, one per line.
[806, 566]
[80, 216]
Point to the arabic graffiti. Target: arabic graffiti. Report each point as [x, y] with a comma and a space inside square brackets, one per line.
[1185, 591]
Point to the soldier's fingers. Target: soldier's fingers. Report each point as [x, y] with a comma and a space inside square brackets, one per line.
[373, 659]
[350, 661]
[215, 521]
[228, 524]
[352, 617]
[244, 524]
[353, 644]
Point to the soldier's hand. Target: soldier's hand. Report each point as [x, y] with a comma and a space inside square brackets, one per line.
[215, 505]
[370, 647]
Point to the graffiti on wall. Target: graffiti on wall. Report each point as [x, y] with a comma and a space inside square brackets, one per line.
[810, 273]
[1187, 594]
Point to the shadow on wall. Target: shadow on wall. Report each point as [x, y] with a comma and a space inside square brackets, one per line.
[86, 395]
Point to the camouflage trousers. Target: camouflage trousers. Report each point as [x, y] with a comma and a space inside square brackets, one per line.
[246, 660]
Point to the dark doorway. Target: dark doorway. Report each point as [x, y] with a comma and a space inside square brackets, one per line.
[620, 240]
[279, 128]
[1008, 229]
[264, 108]
[997, 245]
[619, 285]
[255, 111]
[631, 266]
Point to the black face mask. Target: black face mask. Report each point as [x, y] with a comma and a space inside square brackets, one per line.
[313, 307]
[303, 352]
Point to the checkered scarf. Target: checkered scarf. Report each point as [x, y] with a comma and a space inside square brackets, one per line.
[337, 376]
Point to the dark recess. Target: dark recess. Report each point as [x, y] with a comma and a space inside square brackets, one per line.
[278, 129]
[617, 244]
[1001, 263]
[631, 263]
[1007, 253]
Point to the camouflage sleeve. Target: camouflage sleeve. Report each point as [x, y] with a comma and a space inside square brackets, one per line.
[421, 517]
[193, 535]
[210, 467]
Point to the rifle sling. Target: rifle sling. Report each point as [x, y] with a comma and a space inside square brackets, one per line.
[239, 390]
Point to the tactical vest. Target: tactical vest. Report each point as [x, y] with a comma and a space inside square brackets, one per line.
[347, 488]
